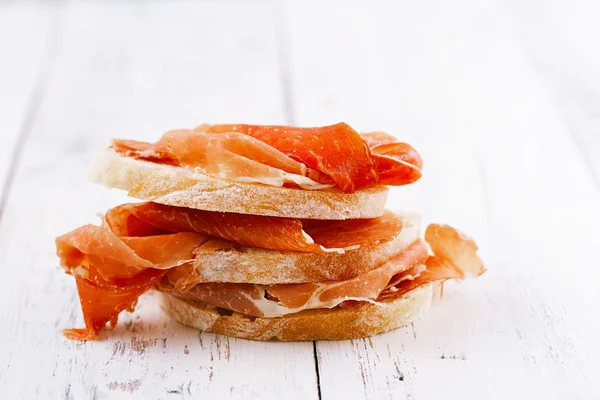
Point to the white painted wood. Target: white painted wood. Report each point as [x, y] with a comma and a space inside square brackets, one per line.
[20, 70]
[561, 37]
[453, 79]
[131, 70]
[460, 81]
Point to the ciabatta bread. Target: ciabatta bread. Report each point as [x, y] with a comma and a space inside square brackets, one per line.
[183, 187]
[337, 323]
[254, 265]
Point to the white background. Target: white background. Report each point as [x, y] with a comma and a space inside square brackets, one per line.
[502, 99]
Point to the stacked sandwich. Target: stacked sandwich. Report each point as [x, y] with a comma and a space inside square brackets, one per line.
[263, 232]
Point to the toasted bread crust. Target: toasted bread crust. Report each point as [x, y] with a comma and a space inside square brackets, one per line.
[338, 323]
[254, 265]
[181, 187]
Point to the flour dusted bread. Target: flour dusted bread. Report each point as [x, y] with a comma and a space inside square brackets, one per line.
[261, 266]
[337, 323]
[183, 187]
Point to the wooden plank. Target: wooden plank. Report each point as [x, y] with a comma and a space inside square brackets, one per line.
[132, 70]
[499, 164]
[560, 39]
[26, 34]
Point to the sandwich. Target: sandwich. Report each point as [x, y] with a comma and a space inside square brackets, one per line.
[263, 232]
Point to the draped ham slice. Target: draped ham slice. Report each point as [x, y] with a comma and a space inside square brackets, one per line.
[254, 230]
[232, 156]
[97, 254]
[142, 245]
[106, 285]
[395, 161]
[103, 303]
[112, 272]
[337, 150]
[340, 152]
[311, 158]
[278, 300]
[455, 257]
[135, 246]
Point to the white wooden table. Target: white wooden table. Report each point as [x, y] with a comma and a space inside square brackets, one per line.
[501, 98]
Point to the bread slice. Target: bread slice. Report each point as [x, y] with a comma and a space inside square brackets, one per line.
[337, 323]
[254, 265]
[183, 187]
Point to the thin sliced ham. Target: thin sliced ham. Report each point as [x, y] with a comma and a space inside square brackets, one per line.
[232, 156]
[455, 257]
[310, 158]
[286, 234]
[337, 150]
[103, 303]
[137, 244]
[97, 254]
[106, 285]
[396, 163]
[112, 272]
[353, 161]
[278, 300]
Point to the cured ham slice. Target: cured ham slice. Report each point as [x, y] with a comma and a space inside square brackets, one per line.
[232, 156]
[279, 300]
[456, 258]
[311, 158]
[397, 163]
[103, 303]
[137, 244]
[112, 272]
[337, 150]
[256, 231]
[364, 287]
[97, 254]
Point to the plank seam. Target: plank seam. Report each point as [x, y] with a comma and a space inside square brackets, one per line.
[317, 369]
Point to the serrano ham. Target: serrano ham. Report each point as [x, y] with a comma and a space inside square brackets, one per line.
[278, 300]
[136, 245]
[141, 245]
[311, 158]
[456, 259]
[112, 272]
[395, 162]
[255, 230]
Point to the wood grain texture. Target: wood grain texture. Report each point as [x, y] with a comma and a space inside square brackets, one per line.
[499, 97]
[499, 163]
[22, 77]
[560, 39]
[129, 70]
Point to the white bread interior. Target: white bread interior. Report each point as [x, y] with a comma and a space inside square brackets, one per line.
[184, 187]
[254, 265]
[337, 323]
